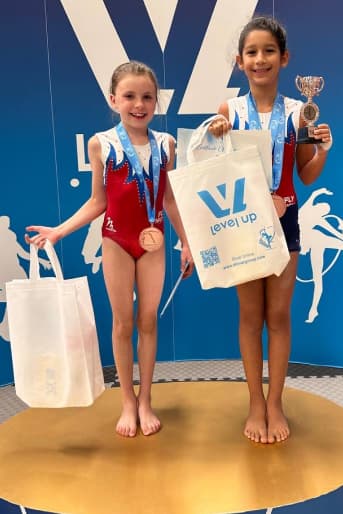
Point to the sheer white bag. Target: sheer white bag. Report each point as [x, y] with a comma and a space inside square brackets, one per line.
[53, 338]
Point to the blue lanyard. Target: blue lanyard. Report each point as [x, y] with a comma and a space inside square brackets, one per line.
[277, 129]
[137, 166]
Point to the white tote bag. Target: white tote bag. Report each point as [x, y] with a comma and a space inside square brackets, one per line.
[53, 338]
[230, 221]
[194, 145]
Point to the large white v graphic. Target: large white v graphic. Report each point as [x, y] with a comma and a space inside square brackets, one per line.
[101, 44]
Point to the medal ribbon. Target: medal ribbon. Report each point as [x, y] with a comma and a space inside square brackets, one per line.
[277, 129]
[138, 168]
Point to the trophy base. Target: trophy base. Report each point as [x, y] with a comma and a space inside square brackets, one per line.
[305, 136]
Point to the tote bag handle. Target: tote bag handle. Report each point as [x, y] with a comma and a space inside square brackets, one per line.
[200, 133]
[34, 263]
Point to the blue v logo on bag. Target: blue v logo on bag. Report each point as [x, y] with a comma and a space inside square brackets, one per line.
[230, 206]
[237, 205]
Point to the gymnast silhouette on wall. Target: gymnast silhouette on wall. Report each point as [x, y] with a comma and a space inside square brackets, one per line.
[320, 231]
[10, 266]
[91, 250]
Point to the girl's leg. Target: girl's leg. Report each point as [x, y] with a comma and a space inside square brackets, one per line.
[149, 280]
[279, 292]
[119, 274]
[251, 302]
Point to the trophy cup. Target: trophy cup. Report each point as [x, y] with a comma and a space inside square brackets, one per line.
[309, 87]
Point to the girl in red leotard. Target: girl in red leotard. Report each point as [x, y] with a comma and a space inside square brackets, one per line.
[130, 185]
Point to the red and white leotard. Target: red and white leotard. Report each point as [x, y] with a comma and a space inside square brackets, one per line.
[126, 212]
[238, 114]
[239, 119]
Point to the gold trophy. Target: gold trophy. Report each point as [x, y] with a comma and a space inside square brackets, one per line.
[309, 87]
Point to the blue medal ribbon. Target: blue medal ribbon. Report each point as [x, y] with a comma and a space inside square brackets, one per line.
[138, 168]
[277, 129]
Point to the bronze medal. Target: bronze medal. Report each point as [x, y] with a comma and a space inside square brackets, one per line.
[279, 204]
[151, 239]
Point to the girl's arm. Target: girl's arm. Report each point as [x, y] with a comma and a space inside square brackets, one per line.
[173, 214]
[90, 210]
[310, 159]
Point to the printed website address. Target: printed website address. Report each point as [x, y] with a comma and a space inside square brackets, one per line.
[246, 261]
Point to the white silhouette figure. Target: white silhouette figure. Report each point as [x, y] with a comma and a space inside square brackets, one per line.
[320, 230]
[92, 244]
[10, 267]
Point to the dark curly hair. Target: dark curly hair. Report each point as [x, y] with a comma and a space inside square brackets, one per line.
[264, 23]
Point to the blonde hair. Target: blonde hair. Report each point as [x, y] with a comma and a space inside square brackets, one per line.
[132, 68]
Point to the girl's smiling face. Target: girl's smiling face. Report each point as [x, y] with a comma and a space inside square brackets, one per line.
[135, 100]
[261, 58]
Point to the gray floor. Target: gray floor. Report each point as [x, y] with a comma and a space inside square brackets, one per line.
[322, 380]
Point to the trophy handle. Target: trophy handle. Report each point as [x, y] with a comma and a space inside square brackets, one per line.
[298, 82]
[321, 84]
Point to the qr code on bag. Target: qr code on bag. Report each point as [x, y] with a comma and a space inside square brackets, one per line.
[210, 257]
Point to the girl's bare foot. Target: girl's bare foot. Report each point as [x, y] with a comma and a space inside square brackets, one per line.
[256, 423]
[127, 423]
[278, 428]
[149, 422]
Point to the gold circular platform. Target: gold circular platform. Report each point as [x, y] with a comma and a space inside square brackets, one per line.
[71, 460]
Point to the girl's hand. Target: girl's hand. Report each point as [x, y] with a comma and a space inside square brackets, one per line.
[44, 233]
[219, 127]
[323, 132]
[186, 257]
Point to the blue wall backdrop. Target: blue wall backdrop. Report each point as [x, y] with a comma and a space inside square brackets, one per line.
[55, 75]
